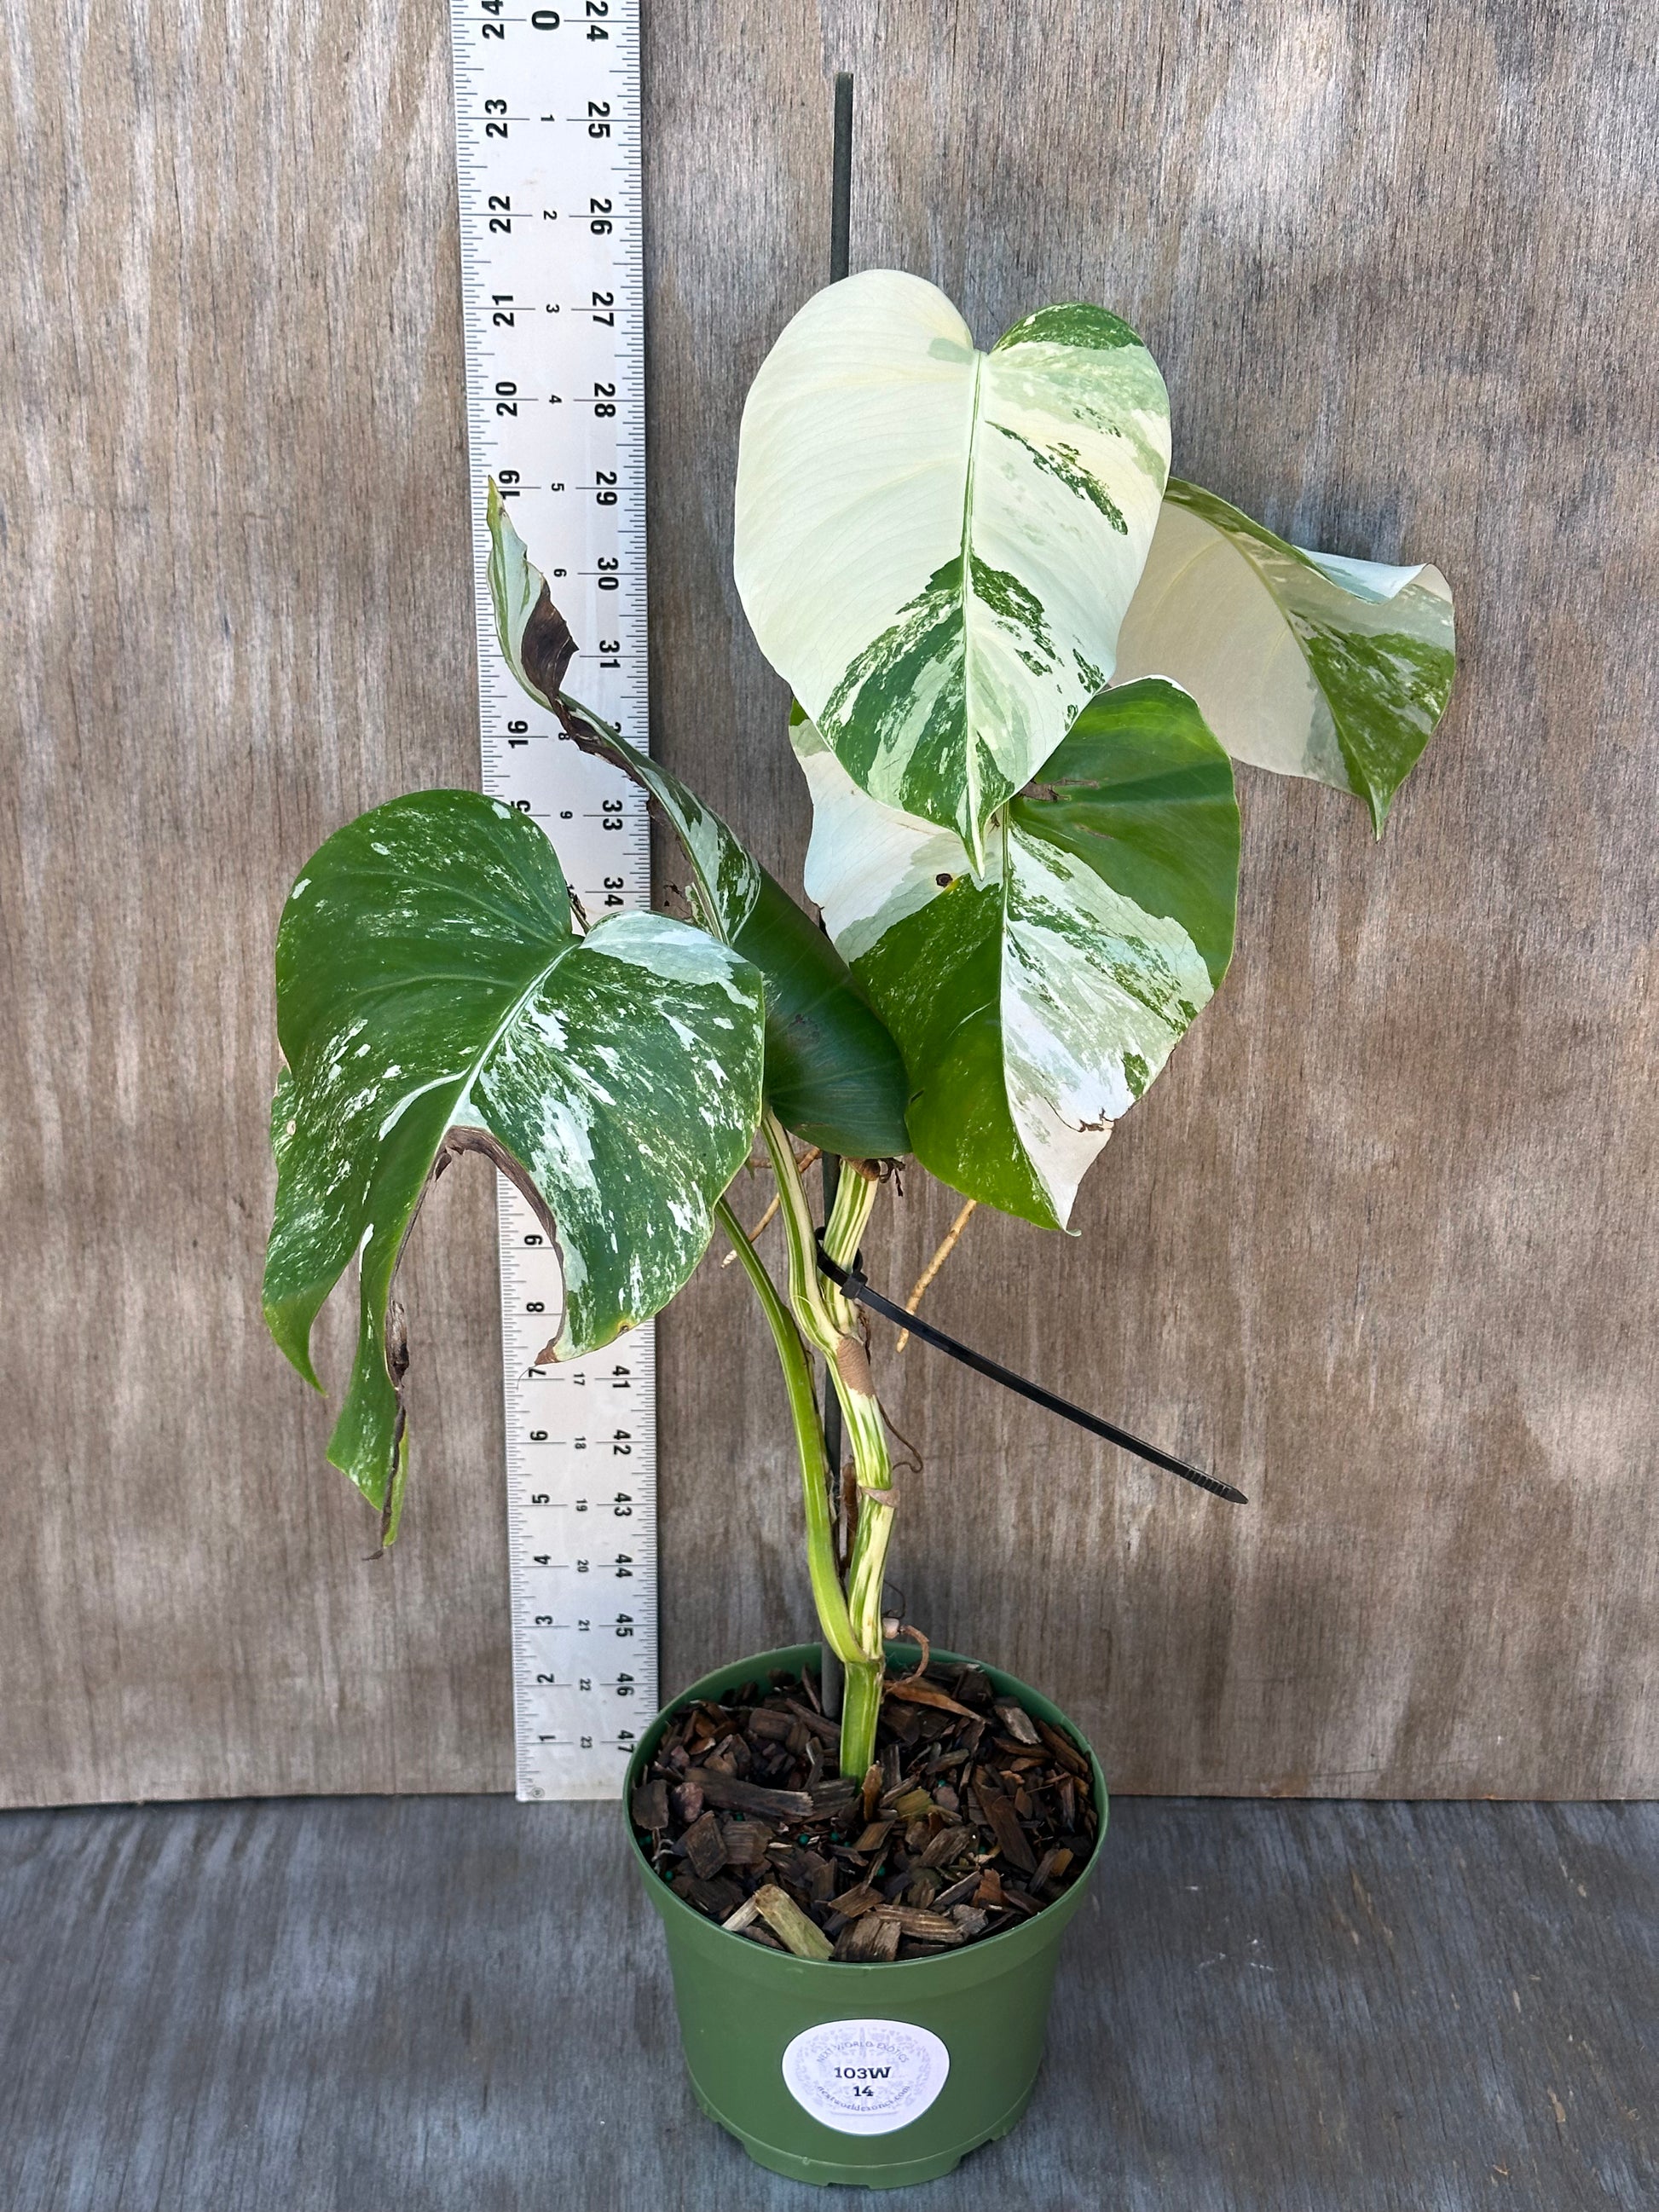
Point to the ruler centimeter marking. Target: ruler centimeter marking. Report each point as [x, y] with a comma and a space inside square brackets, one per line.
[547, 127]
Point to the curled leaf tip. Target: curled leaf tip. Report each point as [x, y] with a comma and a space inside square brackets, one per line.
[546, 647]
[1306, 664]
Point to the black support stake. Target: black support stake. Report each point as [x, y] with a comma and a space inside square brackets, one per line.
[841, 202]
[841, 226]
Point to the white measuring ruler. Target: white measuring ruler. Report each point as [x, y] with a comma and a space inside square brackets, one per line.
[547, 119]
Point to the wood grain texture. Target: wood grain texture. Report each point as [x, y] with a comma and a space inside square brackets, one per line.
[236, 561]
[1375, 1247]
[1345, 2008]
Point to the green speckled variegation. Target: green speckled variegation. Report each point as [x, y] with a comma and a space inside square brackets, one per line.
[1305, 662]
[833, 1075]
[431, 990]
[935, 545]
[1036, 996]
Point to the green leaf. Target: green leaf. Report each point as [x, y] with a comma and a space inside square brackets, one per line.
[935, 545]
[433, 997]
[1305, 662]
[1036, 998]
[833, 1075]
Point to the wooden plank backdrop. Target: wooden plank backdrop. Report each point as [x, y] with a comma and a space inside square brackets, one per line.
[1378, 1246]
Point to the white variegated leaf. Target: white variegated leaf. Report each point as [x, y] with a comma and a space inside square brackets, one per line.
[1305, 662]
[936, 545]
[1036, 995]
[432, 995]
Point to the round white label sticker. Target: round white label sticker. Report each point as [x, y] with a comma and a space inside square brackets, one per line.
[865, 2077]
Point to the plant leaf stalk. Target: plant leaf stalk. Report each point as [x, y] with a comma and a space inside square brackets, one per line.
[828, 1323]
[850, 1619]
[828, 1595]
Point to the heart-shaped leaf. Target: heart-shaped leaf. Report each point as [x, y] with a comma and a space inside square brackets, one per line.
[431, 996]
[935, 545]
[833, 1075]
[1036, 998]
[1305, 662]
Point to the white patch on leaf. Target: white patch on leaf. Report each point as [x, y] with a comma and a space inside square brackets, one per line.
[868, 866]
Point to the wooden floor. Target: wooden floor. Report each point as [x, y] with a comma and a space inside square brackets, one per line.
[360, 2004]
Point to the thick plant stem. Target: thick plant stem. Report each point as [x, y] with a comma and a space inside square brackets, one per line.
[860, 1708]
[829, 1324]
[866, 1569]
[827, 1593]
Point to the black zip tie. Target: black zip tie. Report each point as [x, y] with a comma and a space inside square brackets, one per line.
[852, 1280]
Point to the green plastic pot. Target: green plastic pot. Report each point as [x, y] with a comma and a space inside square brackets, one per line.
[875, 2075]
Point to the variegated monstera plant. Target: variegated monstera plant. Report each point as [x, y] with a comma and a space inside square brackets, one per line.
[1023, 655]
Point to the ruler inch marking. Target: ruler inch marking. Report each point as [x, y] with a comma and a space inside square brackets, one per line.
[547, 128]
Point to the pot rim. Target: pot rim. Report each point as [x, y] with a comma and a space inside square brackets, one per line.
[981, 1952]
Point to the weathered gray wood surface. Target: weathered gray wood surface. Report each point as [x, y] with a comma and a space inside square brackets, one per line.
[1379, 1245]
[336, 2008]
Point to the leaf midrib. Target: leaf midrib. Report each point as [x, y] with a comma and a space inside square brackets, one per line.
[464, 1097]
